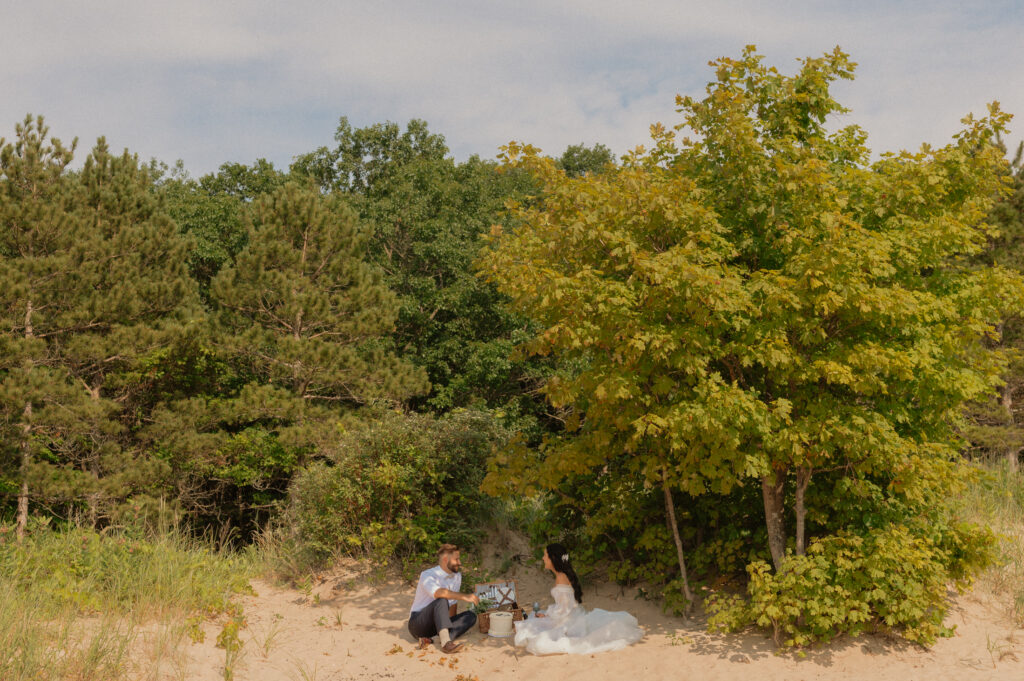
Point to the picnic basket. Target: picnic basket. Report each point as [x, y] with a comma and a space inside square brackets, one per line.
[503, 597]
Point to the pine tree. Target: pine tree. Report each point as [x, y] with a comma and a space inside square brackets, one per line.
[299, 317]
[209, 210]
[93, 280]
[305, 311]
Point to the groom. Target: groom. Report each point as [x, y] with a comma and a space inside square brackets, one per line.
[433, 608]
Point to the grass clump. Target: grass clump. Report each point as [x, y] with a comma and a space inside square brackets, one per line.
[996, 498]
[75, 602]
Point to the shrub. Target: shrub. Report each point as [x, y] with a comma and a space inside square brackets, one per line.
[396, 488]
[890, 579]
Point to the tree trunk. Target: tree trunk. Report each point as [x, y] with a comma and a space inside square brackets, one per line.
[1007, 403]
[773, 495]
[93, 504]
[26, 453]
[26, 445]
[92, 499]
[670, 510]
[803, 479]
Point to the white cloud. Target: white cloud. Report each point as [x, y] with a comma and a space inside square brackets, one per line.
[216, 81]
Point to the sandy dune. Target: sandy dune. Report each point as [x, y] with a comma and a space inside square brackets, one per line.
[349, 628]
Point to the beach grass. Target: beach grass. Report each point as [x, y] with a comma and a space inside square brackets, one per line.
[84, 605]
[996, 498]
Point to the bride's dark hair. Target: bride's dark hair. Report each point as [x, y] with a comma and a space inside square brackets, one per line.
[559, 556]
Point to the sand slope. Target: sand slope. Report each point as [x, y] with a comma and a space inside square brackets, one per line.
[346, 627]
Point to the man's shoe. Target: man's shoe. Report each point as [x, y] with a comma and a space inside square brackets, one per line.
[425, 643]
[451, 648]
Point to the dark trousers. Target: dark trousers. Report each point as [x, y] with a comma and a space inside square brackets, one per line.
[427, 622]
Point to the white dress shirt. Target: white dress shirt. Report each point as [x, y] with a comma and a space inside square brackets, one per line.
[430, 581]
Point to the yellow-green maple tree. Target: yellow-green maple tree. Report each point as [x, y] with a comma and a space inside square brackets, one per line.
[757, 302]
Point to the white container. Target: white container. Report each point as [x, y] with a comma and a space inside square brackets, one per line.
[501, 625]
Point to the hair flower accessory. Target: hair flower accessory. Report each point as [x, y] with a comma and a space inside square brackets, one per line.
[565, 557]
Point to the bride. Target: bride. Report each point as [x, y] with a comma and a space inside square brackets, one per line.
[567, 627]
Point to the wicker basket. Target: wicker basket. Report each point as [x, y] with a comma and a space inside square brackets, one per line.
[503, 595]
[484, 618]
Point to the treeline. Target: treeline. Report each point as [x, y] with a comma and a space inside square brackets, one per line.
[183, 346]
[753, 353]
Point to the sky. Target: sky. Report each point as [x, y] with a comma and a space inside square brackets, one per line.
[215, 81]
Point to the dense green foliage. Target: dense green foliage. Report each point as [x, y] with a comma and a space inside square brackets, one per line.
[427, 214]
[996, 425]
[397, 488]
[196, 343]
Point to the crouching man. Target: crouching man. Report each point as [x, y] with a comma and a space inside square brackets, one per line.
[437, 595]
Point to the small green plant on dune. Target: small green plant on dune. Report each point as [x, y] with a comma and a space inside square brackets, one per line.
[230, 640]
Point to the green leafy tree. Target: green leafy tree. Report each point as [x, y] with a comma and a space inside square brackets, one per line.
[758, 304]
[243, 182]
[578, 159]
[364, 157]
[427, 214]
[93, 280]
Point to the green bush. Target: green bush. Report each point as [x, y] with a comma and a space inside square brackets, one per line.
[890, 579]
[396, 488]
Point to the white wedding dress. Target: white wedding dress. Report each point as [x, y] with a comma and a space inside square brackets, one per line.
[568, 628]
